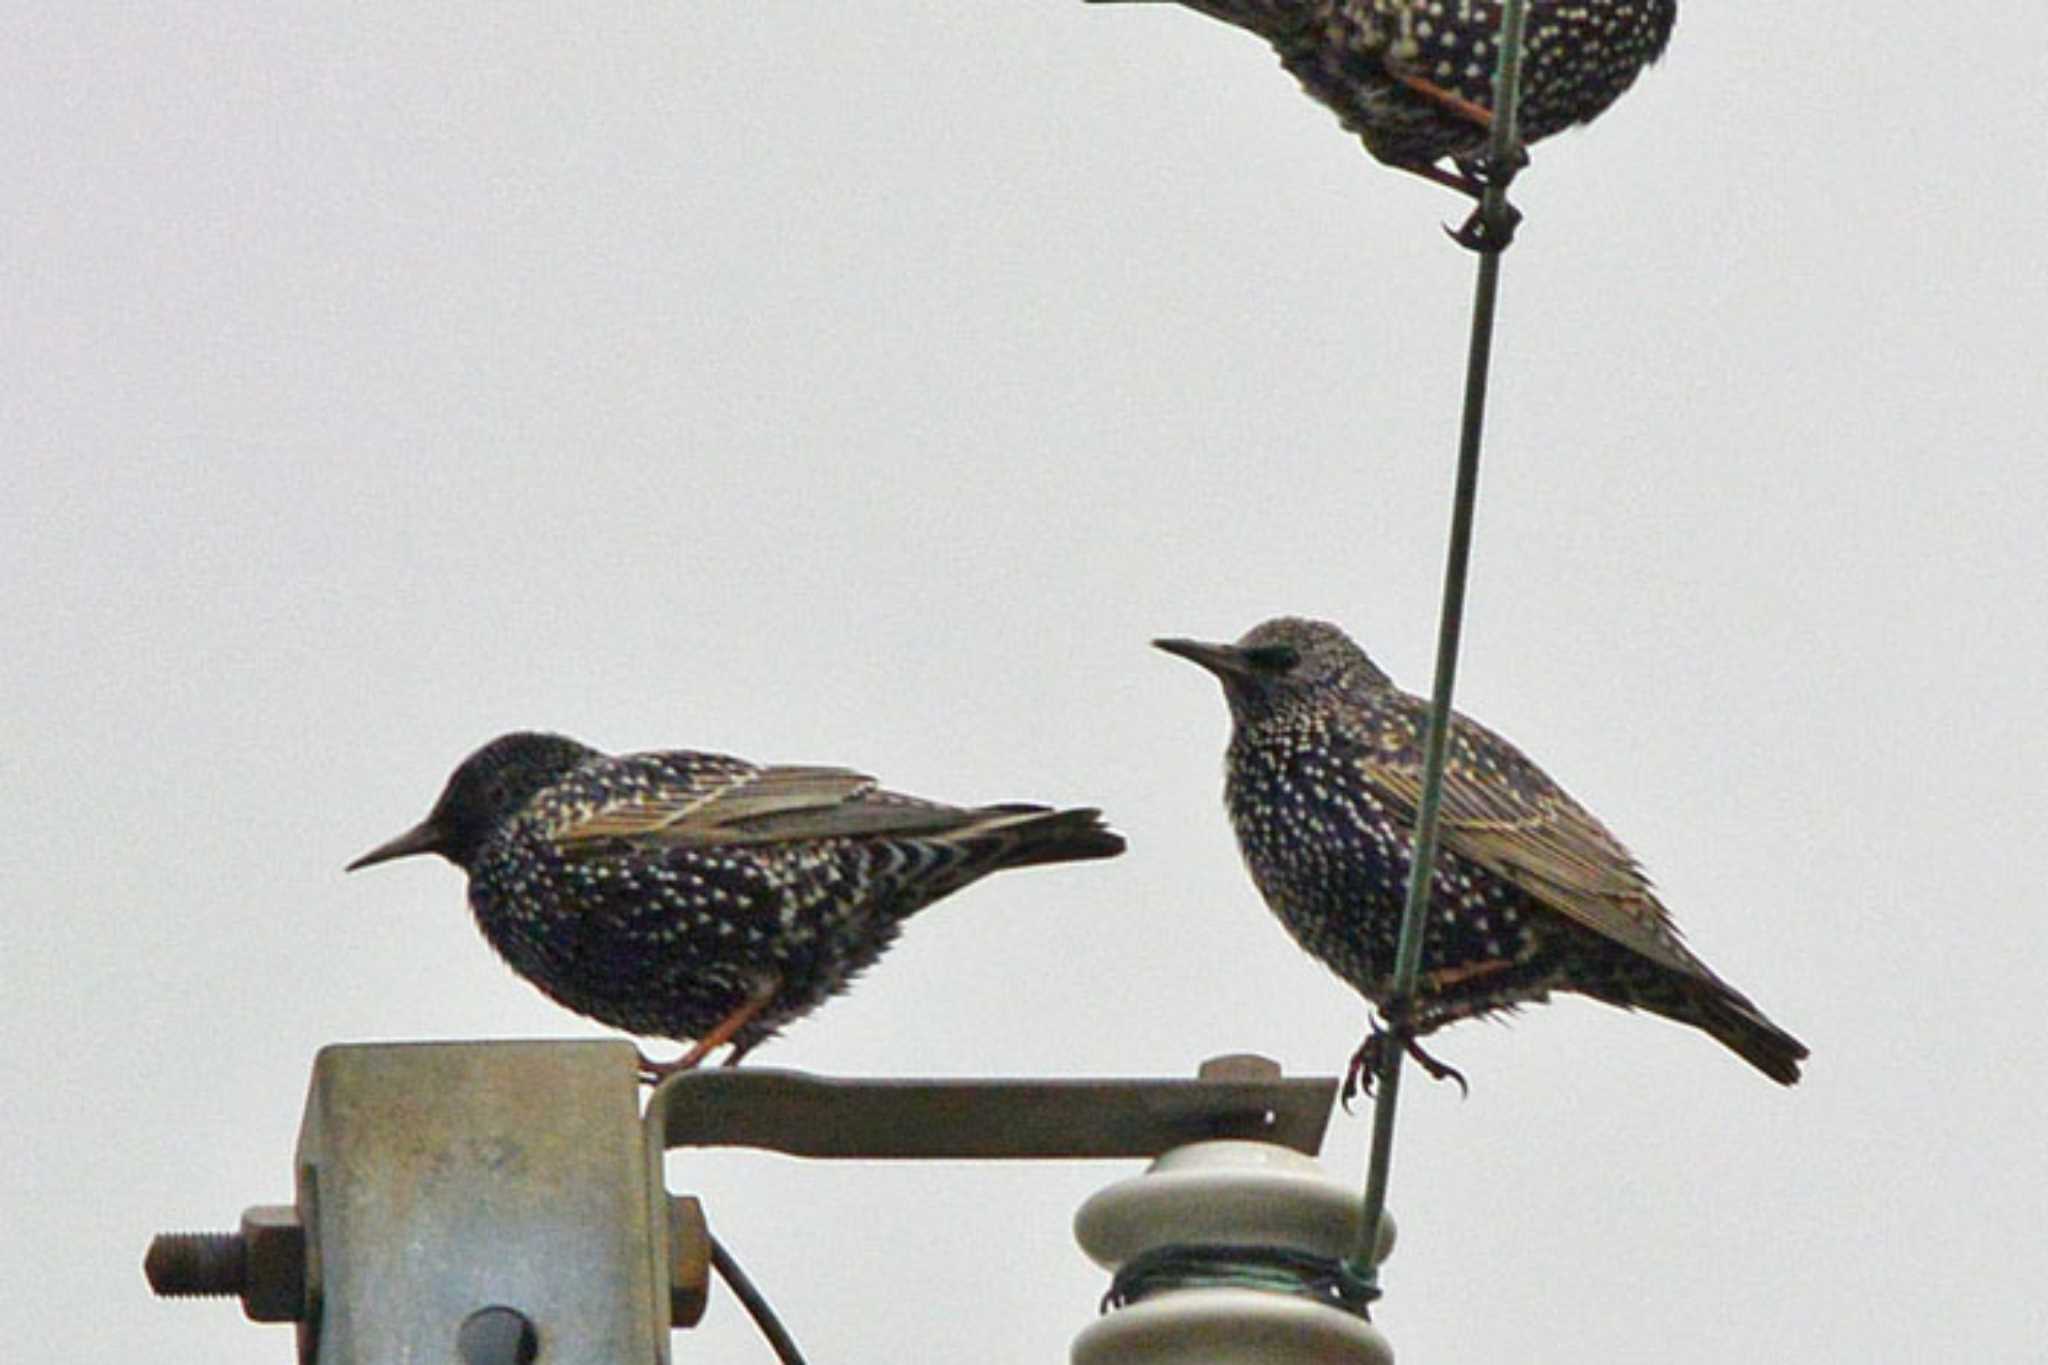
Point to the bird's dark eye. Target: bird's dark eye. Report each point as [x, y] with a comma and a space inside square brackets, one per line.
[1273, 658]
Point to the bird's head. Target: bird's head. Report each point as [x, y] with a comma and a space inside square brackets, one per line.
[491, 784]
[1279, 661]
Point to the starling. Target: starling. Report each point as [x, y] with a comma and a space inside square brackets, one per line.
[698, 896]
[1530, 893]
[1414, 78]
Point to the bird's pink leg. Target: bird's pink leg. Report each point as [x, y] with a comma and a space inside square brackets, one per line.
[1457, 106]
[654, 1073]
[1450, 101]
[1437, 175]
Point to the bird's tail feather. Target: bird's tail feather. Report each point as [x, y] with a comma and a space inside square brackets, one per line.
[1742, 1028]
[1259, 16]
[1026, 836]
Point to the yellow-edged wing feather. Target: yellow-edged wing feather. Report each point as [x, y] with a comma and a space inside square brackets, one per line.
[1519, 825]
[742, 804]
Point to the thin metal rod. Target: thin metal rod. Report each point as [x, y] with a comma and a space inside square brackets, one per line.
[1502, 150]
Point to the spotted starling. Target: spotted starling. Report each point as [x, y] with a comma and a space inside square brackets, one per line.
[1530, 893]
[1414, 78]
[697, 896]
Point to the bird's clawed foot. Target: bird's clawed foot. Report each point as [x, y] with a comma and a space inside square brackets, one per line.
[1371, 1056]
[1439, 1071]
[1490, 227]
[654, 1073]
[1484, 232]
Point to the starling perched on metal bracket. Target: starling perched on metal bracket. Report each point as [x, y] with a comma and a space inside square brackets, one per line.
[696, 896]
[1414, 78]
[1530, 893]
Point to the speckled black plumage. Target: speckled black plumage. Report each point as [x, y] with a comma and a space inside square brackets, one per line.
[1530, 893]
[1413, 78]
[662, 892]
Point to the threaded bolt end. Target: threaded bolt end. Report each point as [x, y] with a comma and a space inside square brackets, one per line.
[184, 1265]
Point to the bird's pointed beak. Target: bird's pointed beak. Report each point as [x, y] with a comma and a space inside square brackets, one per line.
[1225, 661]
[425, 837]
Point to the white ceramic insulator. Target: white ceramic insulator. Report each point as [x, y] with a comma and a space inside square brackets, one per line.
[1250, 1194]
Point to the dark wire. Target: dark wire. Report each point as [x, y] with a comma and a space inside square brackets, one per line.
[1272, 1269]
[756, 1305]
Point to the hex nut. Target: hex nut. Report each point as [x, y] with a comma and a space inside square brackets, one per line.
[274, 1287]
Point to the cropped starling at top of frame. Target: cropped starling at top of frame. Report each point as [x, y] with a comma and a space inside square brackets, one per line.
[697, 896]
[1414, 78]
[1530, 893]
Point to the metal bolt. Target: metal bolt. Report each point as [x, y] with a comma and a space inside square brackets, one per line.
[689, 1261]
[184, 1265]
[264, 1264]
[1239, 1066]
[497, 1336]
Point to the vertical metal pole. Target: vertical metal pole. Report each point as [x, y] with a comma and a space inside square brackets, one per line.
[1503, 149]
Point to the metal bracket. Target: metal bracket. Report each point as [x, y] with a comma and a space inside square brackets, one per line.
[505, 1201]
[1010, 1120]
[443, 1181]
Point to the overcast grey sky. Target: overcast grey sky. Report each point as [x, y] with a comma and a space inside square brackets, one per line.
[867, 383]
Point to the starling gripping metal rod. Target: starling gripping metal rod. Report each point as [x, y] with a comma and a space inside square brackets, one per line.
[1496, 218]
